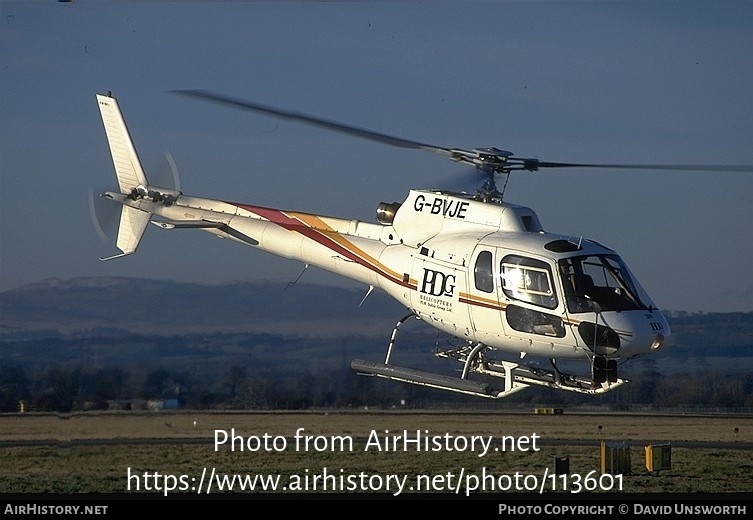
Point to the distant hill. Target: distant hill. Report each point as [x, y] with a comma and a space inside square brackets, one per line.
[117, 305]
[110, 306]
[119, 337]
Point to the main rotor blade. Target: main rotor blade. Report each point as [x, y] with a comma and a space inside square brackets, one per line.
[491, 160]
[311, 120]
[687, 167]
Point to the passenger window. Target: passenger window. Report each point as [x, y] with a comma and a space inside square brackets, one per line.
[482, 272]
[528, 280]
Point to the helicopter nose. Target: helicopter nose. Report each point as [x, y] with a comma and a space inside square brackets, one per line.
[628, 333]
[651, 331]
[660, 326]
[658, 341]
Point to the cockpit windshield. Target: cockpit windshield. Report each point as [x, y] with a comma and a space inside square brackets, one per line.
[599, 283]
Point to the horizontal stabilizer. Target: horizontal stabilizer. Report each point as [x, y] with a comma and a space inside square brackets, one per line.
[206, 224]
[189, 224]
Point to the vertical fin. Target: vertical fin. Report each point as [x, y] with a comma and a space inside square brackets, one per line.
[132, 225]
[124, 157]
[129, 172]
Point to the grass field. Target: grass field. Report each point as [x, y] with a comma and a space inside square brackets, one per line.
[149, 452]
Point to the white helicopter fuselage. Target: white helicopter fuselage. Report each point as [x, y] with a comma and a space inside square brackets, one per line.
[426, 256]
[478, 269]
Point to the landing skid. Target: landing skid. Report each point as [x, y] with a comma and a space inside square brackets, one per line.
[475, 359]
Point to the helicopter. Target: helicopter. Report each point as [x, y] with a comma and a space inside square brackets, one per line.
[472, 266]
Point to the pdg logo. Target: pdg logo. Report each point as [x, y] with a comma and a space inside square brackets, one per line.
[437, 283]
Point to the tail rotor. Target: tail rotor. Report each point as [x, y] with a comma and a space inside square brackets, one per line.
[174, 170]
[103, 214]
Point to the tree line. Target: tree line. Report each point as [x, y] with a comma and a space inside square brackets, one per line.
[66, 389]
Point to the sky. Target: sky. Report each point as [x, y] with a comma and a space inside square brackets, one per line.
[654, 82]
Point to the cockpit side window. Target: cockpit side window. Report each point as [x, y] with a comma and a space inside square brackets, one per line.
[483, 272]
[528, 280]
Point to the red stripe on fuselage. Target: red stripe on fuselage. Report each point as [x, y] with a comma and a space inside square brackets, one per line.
[284, 220]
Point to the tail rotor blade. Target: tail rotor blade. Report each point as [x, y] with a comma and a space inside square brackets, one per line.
[174, 169]
[101, 214]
